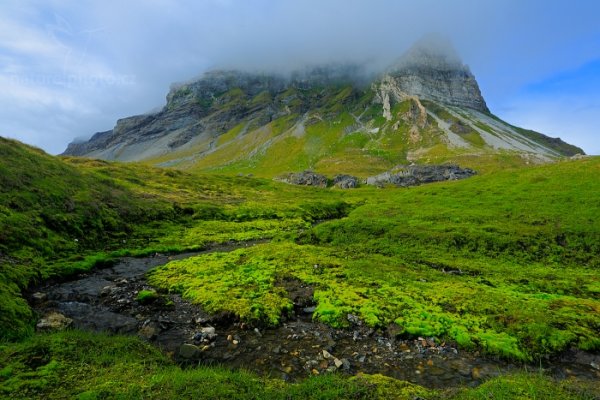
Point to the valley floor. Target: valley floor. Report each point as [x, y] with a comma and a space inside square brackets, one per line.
[503, 265]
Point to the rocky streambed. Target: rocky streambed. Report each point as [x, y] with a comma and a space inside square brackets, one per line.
[109, 299]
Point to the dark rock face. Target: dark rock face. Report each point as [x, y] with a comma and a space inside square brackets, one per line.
[305, 178]
[414, 175]
[209, 106]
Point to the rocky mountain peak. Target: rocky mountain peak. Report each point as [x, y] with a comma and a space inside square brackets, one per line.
[432, 70]
[331, 114]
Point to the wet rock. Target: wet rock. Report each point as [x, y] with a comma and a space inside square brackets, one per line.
[309, 310]
[148, 332]
[54, 321]
[107, 291]
[188, 351]
[346, 364]
[39, 297]
[338, 363]
[209, 332]
[353, 319]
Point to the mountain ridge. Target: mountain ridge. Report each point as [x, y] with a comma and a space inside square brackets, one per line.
[427, 107]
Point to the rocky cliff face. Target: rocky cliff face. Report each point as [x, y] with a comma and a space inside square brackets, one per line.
[427, 107]
[431, 70]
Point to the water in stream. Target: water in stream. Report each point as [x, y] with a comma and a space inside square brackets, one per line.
[105, 300]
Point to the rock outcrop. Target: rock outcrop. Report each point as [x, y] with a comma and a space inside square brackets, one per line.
[413, 175]
[304, 178]
[345, 181]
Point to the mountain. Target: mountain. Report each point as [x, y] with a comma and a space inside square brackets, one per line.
[425, 108]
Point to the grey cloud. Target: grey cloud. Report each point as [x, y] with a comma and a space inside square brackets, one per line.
[136, 49]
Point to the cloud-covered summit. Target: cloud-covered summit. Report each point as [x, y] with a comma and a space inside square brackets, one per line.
[70, 67]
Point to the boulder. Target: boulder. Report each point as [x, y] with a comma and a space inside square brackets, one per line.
[305, 178]
[54, 321]
[345, 181]
[188, 351]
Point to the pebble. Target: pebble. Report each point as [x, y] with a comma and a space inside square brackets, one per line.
[346, 364]
[315, 371]
[209, 330]
[326, 354]
[338, 363]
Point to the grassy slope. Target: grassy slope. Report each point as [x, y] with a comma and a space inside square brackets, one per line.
[525, 242]
[339, 129]
[93, 366]
[59, 217]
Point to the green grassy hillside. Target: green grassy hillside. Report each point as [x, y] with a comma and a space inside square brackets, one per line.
[340, 130]
[505, 263]
[61, 216]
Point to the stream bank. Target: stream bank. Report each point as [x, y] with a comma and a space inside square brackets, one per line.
[108, 299]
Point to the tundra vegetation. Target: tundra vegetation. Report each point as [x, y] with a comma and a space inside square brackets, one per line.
[504, 263]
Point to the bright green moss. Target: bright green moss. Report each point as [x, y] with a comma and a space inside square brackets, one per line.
[146, 296]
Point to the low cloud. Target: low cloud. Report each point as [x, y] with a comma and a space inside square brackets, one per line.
[76, 67]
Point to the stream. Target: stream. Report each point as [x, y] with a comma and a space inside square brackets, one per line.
[105, 300]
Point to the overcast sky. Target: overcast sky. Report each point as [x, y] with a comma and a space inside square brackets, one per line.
[72, 68]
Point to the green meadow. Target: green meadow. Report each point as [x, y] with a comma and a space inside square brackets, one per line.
[504, 263]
